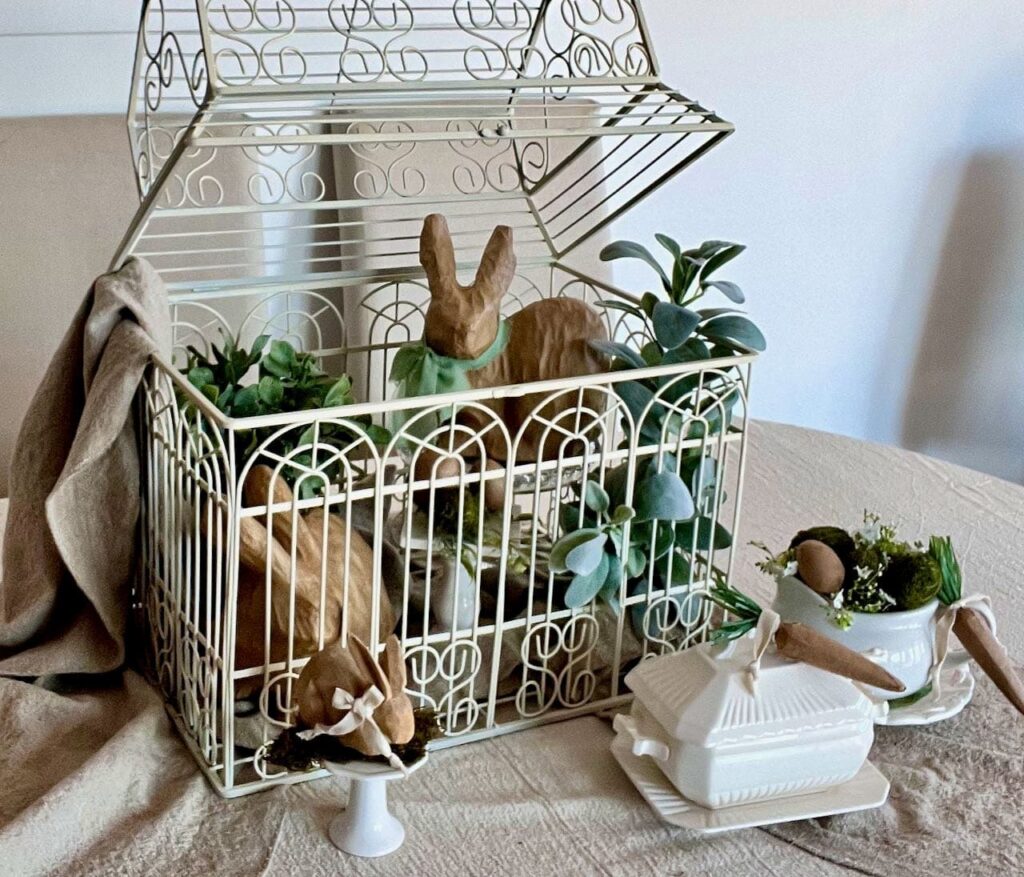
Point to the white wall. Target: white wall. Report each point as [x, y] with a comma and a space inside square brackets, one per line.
[64, 57]
[877, 176]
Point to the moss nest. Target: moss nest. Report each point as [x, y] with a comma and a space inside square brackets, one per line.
[292, 752]
[912, 579]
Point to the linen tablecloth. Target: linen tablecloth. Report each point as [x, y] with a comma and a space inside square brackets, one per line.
[94, 781]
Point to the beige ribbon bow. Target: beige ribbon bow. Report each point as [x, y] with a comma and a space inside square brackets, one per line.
[764, 635]
[360, 713]
[944, 628]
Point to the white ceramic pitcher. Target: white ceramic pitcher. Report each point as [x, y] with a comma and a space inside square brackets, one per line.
[901, 642]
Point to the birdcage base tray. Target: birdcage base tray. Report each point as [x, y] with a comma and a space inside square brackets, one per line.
[868, 789]
[366, 827]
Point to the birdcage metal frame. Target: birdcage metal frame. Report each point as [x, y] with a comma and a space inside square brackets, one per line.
[286, 152]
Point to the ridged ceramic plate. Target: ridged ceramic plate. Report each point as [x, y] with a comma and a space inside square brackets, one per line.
[866, 790]
[956, 692]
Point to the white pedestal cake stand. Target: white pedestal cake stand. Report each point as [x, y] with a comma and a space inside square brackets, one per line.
[366, 827]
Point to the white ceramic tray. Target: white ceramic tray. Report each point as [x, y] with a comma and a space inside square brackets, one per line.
[957, 690]
[866, 790]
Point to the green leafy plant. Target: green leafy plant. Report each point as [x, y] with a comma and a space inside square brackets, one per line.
[593, 547]
[744, 612]
[597, 555]
[678, 333]
[941, 550]
[287, 381]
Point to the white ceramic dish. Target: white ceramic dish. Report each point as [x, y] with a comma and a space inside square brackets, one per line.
[866, 790]
[901, 642]
[724, 740]
[955, 693]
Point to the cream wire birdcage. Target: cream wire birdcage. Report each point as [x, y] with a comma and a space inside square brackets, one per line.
[286, 153]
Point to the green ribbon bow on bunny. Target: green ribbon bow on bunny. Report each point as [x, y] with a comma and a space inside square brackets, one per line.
[418, 371]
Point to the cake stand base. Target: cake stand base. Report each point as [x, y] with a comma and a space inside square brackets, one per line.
[366, 827]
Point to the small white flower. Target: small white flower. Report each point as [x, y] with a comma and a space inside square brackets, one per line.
[870, 532]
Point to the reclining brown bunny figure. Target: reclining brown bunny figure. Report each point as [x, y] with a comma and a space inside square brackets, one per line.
[256, 547]
[547, 340]
[377, 719]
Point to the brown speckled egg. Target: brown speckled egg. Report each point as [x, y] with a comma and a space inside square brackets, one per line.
[429, 466]
[819, 567]
[494, 491]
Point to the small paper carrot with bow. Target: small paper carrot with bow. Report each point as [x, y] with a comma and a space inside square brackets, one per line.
[962, 616]
[797, 641]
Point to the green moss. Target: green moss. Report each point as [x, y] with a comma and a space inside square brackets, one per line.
[839, 541]
[292, 752]
[912, 579]
[867, 555]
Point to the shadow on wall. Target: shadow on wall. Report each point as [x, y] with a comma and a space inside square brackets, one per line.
[966, 391]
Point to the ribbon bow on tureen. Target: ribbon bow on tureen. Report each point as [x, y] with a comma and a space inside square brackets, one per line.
[764, 634]
[360, 713]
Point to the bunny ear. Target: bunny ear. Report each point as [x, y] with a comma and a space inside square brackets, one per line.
[375, 673]
[498, 266]
[256, 551]
[394, 664]
[262, 487]
[437, 255]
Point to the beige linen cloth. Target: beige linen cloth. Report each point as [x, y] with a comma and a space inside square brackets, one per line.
[70, 536]
[94, 781]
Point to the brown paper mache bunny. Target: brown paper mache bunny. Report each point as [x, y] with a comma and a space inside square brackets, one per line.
[349, 568]
[547, 340]
[353, 670]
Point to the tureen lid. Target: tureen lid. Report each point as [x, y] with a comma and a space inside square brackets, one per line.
[706, 695]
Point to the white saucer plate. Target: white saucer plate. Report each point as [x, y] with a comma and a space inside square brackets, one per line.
[866, 790]
[955, 693]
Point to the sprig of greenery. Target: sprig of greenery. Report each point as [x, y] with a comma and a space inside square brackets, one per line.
[679, 334]
[951, 590]
[664, 527]
[745, 611]
[690, 270]
[598, 556]
[287, 381]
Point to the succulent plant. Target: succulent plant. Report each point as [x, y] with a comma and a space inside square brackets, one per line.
[593, 546]
[679, 334]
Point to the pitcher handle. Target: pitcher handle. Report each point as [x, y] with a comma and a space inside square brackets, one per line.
[959, 657]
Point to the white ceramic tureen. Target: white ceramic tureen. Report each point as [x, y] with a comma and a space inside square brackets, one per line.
[728, 728]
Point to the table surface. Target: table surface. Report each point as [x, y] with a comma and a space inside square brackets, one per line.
[95, 781]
